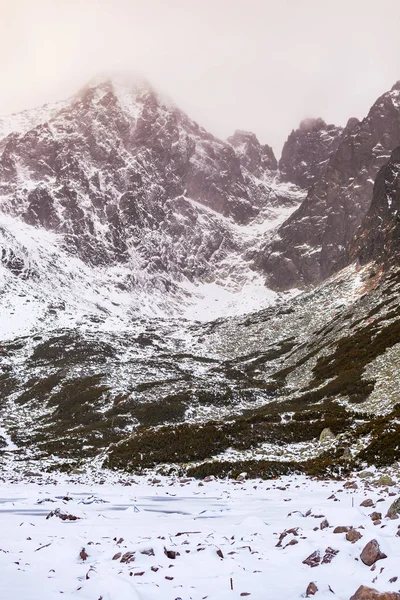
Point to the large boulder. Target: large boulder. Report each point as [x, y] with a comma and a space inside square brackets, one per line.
[367, 593]
[371, 553]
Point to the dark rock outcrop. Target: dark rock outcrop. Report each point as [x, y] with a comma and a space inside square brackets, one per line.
[253, 156]
[306, 151]
[311, 245]
[378, 238]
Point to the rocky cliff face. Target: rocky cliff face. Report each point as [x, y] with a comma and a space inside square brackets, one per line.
[312, 243]
[307, 150]
[125, 175]
[378, 238]
[256, 158]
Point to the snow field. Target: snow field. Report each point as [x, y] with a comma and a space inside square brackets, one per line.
[190, 540]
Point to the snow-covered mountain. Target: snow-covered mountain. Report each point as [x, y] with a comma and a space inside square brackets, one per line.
[123, 224]
[118, 192]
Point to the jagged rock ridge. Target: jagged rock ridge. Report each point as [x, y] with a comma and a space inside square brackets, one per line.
[311, 244]
[127, 177]
[307, 150]
[378, 238]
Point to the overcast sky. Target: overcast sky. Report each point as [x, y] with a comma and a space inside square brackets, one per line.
[260, 65]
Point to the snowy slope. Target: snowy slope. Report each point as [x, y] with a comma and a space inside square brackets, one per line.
[26, 120]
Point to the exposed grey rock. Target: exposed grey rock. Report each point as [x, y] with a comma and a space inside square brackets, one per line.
[326, 434]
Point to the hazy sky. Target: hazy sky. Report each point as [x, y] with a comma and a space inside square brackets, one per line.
[260, 65]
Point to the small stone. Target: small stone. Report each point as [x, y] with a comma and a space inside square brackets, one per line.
[313, 560]
[366, 593]
[350, 485]
[353, 536]
[311, 589]
[371, 553]
[393, 579]
[292, 542]
[83, 554]
[368, 503]
[326, 434]
[329, 555]
[208, 478]
[171, 554]
[324, 524]
[341, 529]
[128, 557]
[117, 556]
[375, 516]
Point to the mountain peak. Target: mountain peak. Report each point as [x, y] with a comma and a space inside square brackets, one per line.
[306, 151]
[126, 89]
[311, 124]
[252, 155]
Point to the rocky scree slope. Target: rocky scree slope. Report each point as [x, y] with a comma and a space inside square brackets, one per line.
[223, 397]
[312, 243]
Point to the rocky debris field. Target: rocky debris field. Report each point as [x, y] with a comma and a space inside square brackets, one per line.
[105, 536]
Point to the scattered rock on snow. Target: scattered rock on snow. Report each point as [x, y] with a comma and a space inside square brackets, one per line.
[313, 560]
[371, 553]
[61, 515]
[171, 553]
[350, 485]
[83, 554]
[128, 557]
[376, 516]
[353, 535]
[329, 555]
[311, 589]
[366, 593]
[368, 503]
[324, 524]
[341, 529]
